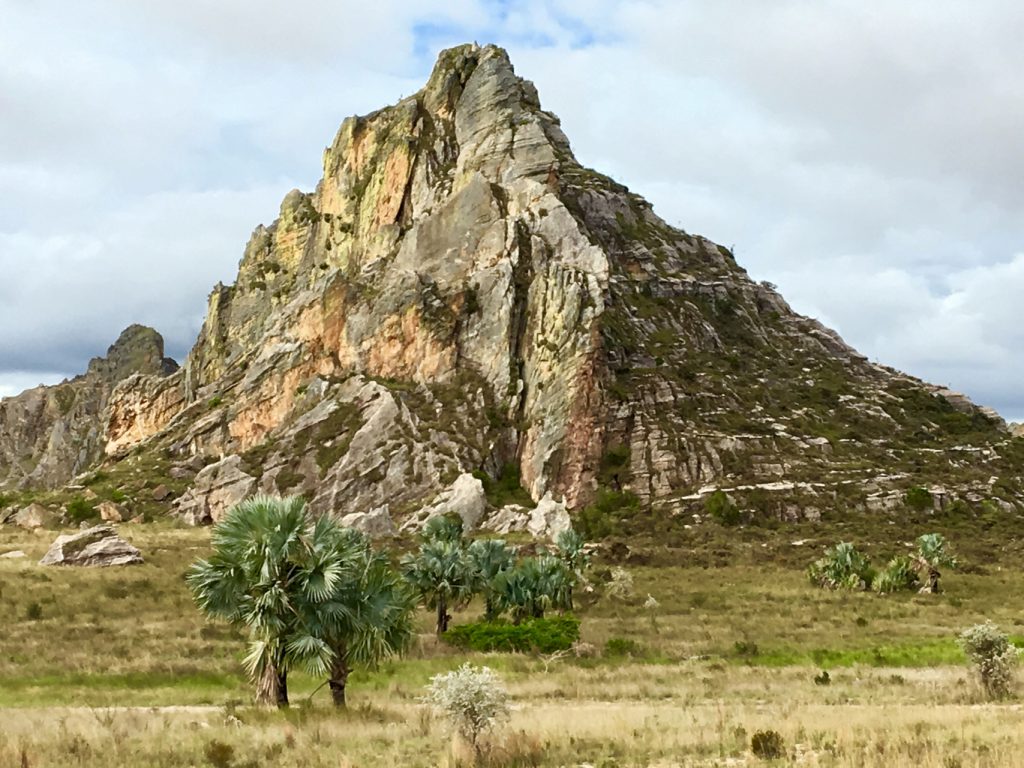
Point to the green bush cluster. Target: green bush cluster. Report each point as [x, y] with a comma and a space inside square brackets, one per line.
[722, 510]
[547, 635]
[845, 567]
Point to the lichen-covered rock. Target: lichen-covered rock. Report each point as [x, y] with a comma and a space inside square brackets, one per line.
[465, 497]
[62, 427]
[35, 516]
[376, 523]
[549, 518]
[99, 546]
[111, 512]
[217, 488]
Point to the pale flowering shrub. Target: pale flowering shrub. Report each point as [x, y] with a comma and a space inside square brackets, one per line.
[989, 649]
[620, 586]
[473, 698]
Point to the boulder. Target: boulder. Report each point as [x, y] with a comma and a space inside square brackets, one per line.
[509, 519]
[161, 492]
[111, 512]
[99, 546]
[215, 490]
[549, 518]
[35, 516]
[465, 497]
[14, 554]
[376, 523]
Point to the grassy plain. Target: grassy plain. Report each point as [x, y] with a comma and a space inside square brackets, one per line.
[115, 667]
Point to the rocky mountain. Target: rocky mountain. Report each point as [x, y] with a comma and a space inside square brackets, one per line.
[50, 434]
[461, 314]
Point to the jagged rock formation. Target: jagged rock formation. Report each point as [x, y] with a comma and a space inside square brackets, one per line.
[459, 295]
[96, 546]
[50, 434]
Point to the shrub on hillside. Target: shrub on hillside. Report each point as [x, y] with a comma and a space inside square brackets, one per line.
[81, 510]
[842, 567]
[918, 499]
[989, 649]
[558, 633]
[722, 510]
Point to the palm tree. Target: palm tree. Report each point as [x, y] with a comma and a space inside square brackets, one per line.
[272, 567]
[368, 618]
[931, 555]
[442, 575]
[442, 528]
[570, 550]
[490, 557]
[535, 585]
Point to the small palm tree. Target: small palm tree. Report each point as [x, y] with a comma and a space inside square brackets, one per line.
[534, 586]
[368, 618]
[443, 528]
[490, 557]
[932, 554]
[442, 575]
[570, 550]
[842, 567]
[272, 567]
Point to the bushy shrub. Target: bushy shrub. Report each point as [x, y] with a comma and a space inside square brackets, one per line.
[558, 633]
[768, 745]
[620, 585]
[898, 575]
[842, 567]
[918, 499]
[622, 646]
[81, 510]
[989, 649]
[722, 510]
[473, 698]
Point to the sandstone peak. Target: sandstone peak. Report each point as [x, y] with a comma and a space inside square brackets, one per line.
[459, 300]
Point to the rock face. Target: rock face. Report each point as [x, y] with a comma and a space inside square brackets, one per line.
[98, 545]
[50, 434]
[459, 295]
[217, 488]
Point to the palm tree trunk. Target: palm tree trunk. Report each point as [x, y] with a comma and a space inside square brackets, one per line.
[933, 581]
[282, 688]
[442, 615]
[339, 679]
[267, 694]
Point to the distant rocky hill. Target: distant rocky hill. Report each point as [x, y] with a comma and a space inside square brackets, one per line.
[461, 315]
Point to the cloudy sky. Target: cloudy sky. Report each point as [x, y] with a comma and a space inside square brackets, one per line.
[865, 156]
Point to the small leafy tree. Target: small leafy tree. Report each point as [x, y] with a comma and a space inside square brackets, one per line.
[993, 656]
[473, 698]
[842, 567]
[490, 557]
[898, 575]
[932, 554]
[272, 567]
[442, 576]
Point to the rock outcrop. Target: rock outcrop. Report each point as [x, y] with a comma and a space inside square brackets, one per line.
[50, 434]
[35, 516]
[99, 546]
[458, 297]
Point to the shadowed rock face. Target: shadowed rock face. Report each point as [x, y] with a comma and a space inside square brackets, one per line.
[458, 294]
[50, 434]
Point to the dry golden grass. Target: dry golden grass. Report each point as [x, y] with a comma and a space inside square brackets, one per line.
[121, 670]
